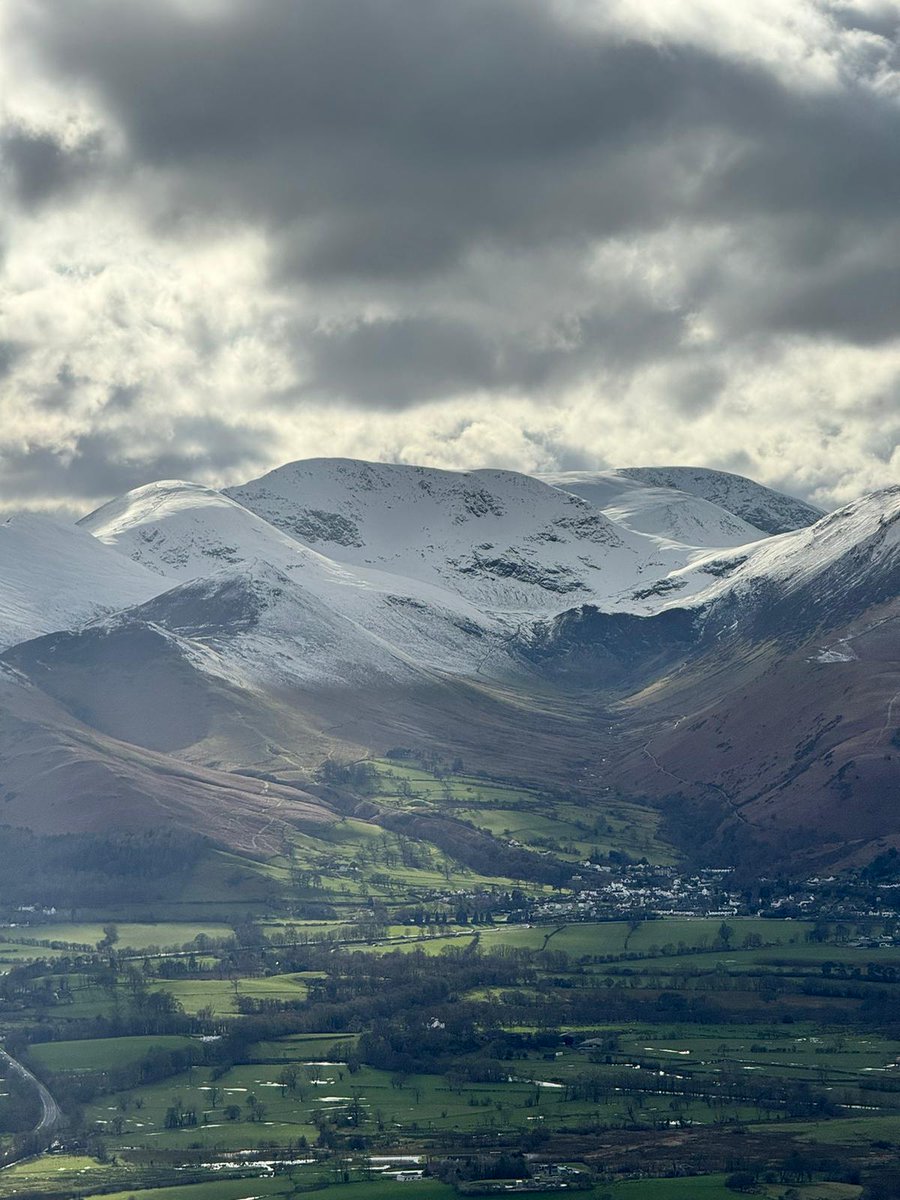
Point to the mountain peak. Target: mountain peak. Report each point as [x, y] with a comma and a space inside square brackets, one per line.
[769, 510]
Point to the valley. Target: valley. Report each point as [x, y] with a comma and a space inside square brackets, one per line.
[387, 829]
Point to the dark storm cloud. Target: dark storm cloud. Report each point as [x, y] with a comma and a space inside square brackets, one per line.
[385, 140]
[329, 207]
[396, 363]
[41, 168]
[404, 361]
[102, 463]
[386, 137]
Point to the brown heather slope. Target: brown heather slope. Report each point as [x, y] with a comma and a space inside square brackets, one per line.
[797, 751]
[59, 776]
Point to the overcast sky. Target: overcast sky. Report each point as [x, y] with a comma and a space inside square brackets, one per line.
[536, 234]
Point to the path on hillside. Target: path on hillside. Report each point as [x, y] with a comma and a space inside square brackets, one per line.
[51, 1113]
[645, 749]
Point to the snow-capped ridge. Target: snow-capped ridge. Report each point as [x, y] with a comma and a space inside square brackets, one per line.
[330, 567]
[508, 543]
[665, 513]
[856, 547]
[767, 509]
[54, 575]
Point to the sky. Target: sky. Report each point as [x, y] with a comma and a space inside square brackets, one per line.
[534, 234]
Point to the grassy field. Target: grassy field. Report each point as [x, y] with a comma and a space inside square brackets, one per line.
[101, 1054]
[585, 939]
[377, 1189]
[534, 820]
[221, 995]
[535, 1089]
[656, 1039]
[712, 1187]
[136, 936]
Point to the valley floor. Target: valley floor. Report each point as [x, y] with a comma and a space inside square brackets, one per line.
[371, 1011]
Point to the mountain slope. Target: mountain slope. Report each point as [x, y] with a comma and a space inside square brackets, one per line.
[658, 511]
[781, 757]
[59, 775]
[767, 509]
[508, 543]
[188, 532]
[765, 712]
[814, 577]
[54, 576]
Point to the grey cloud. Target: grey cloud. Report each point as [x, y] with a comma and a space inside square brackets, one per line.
[41, 168]
[696, 390]
[881, 19]
[408, 360]
[384, 140]
[859, 304]
[10, 353]
[388, 149]
[396, 363]
[59, 395]
[452, 121]
[102, 463]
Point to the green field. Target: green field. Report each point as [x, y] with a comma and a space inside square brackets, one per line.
[101, 1054]
[166, 935]
[534, 820]
[221, 995]
[364, 994]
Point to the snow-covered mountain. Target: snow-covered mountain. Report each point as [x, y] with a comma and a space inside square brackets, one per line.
[256, 624]
[658, 511]
[509, 543]
[857, 546]
[516, 620]
[767, 509]
[444, 570]
[788, 587]
[186, 533]
[54, 576]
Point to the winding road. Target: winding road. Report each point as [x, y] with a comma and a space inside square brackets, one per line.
[51, 1113]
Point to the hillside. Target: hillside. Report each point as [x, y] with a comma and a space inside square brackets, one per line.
[337, 609]
[54, 576]
[767, 509]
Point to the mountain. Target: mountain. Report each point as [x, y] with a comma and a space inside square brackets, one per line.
[506, 542]
[658, 510]
[787, 756]
[578, 632]
[384, 622]
[54, 576]
[763, 711]
[63, 775]
[768, 510]
[813, 578]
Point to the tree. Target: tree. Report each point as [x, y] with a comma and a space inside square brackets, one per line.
[110, 937]
[288, 1078]
[741, 1181]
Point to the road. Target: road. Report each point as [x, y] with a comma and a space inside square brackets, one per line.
[51, 1114]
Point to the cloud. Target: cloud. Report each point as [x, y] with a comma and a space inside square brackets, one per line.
[624, 226]
[105, 464]
[41, 167]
